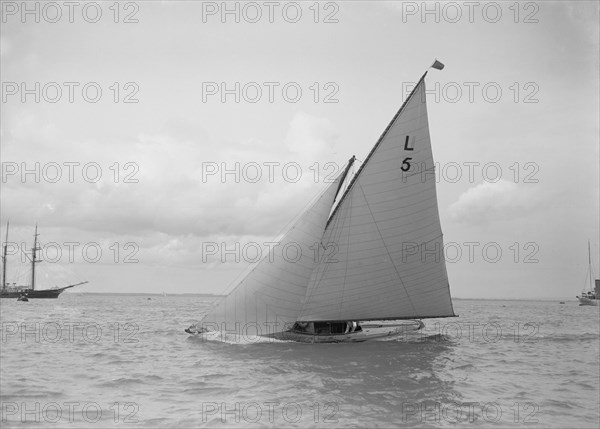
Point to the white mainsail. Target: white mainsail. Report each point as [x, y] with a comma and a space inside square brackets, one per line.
[389, 261]
[269, 299]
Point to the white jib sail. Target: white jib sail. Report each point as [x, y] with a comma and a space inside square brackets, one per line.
[269, 299]
[388, 261]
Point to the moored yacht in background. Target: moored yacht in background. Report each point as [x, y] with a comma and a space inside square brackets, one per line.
[590, 296]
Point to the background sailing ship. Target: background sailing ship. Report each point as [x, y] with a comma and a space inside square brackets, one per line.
[590, 296]
[380, 251]
[29, 291]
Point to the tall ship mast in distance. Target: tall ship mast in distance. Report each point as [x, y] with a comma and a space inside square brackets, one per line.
[28, 291]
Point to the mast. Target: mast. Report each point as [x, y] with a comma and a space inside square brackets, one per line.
[590, 265]
[344, 174]
[33, 256]
[4, 259]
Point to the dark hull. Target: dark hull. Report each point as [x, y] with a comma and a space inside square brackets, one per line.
[47, 293]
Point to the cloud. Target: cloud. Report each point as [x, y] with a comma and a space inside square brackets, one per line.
[311, 137]
[171, 193]
[490, 202]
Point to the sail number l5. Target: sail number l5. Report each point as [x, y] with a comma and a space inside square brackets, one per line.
[405, 161]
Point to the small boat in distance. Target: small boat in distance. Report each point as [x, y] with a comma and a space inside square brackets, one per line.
[589, 296]
[379, 252]
[22, 293]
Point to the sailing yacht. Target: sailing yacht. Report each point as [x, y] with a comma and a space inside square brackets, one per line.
[381, 256]
[589, 296]
[29, 291]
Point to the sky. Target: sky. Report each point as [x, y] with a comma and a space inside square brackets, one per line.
[155, 143]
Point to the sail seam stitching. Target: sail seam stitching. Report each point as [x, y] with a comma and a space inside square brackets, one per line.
[347, 253]
[319, 276]
[387, 250]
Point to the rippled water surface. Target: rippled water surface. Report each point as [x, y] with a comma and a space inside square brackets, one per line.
[108, 360]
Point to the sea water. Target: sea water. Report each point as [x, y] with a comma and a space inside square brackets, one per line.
[125, 361]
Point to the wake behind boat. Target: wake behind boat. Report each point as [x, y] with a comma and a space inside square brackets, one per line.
[22, 293]
[381, 257]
